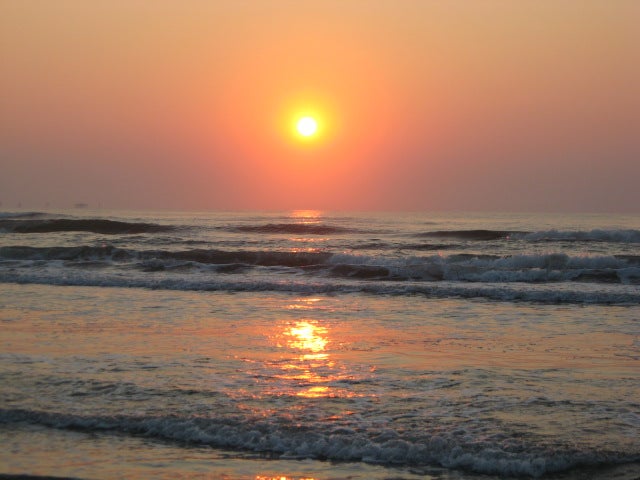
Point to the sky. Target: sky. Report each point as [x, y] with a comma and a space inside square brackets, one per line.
[477, 105]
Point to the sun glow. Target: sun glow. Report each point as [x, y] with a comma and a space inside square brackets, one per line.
[308, 122]
[307, 126]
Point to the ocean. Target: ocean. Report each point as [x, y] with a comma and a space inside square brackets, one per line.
[319, 345]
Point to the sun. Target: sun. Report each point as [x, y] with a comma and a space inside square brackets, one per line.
[307, 126]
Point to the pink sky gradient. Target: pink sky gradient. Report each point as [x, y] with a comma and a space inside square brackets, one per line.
[425, 105]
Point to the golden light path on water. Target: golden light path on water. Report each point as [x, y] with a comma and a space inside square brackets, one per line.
[306, 216]
[310, 340]
[303, 363]
[307, 339]
[262, 477]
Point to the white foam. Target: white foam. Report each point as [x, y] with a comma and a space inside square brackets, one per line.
[557, 267]
[569, 292]
[263, 435]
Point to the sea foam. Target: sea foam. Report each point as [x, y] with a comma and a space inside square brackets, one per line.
[286, 441]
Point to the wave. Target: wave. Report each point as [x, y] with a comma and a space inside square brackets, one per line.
[461, 268]
[23, 215]
[501, 269]
[201, 256]
[428, 246]
[281, 439]
[479, 235]
[596, 235]
[63, 253]
[94, 225]
[178, 279]
[404, 246]
[291, 228]
[260, 258]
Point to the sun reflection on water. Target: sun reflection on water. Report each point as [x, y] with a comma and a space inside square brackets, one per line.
[306, 216]
[305, 355]
[282, 477]
[310, 304]
[307, 362]
[308, 338]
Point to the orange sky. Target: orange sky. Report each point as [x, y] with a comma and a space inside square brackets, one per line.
[423, 105]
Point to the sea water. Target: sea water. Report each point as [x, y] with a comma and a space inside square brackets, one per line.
[319, 345]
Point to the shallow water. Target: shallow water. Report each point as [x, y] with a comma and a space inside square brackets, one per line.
[168, 383]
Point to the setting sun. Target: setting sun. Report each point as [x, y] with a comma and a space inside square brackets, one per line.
[307, 126]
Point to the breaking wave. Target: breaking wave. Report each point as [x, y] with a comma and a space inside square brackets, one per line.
[490, 268]
[282, 439]
[22, 263]
[461, 267]
[179, 279]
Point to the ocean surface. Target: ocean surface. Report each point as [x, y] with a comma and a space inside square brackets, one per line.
[316, 345]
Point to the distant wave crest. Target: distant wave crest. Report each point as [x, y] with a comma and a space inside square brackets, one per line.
[202, 256]
[596, 235]
[479, 235]
[291, 228]
[23, 215]
[94, 225]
